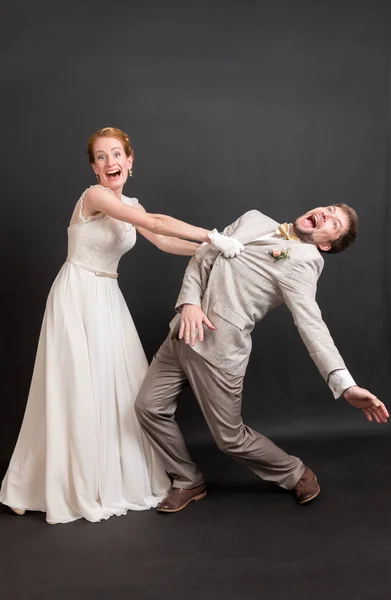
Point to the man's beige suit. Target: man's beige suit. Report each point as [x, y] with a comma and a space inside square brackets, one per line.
[234, 294]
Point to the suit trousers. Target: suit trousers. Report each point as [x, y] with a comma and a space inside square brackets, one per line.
[219, 395]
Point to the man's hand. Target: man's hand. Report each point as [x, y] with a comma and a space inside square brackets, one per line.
[369, 404]
[229, 246]
[192, 320]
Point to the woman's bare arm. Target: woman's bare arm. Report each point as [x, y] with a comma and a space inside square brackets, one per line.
[100, 200]
[172, 245]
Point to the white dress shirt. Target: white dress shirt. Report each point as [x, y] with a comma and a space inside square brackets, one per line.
[339, 380]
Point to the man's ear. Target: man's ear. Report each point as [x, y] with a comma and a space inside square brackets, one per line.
[325, 247]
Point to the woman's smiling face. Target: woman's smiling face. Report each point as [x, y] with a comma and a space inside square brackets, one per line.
[111, 164]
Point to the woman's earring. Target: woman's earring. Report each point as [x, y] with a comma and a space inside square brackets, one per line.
[130, 172]
[97, 177]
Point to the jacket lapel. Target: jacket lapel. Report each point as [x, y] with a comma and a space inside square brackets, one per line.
[252, 225]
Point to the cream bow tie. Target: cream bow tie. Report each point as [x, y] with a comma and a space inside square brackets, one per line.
[283, 230]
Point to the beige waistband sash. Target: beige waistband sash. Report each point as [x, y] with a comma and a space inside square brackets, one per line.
[97, 273]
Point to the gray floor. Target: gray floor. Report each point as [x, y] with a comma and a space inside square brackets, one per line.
[247, 540]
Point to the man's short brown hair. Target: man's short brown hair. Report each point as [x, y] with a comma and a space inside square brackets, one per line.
[347, 238]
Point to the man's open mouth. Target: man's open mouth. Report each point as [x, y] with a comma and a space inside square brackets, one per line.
[311, 221]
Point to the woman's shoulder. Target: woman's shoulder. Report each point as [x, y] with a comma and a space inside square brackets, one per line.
[97, 190]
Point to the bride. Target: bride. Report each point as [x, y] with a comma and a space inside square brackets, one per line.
[80, 451]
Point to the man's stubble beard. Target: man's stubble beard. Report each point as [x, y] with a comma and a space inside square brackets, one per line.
[307, 237]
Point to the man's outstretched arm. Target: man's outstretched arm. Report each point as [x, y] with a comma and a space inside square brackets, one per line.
[299, 292]
[371, 406]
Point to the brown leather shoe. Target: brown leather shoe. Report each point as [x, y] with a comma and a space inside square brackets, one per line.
[178, 498]
[307, 488]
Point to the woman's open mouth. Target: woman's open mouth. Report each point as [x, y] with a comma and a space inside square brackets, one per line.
[113, 174]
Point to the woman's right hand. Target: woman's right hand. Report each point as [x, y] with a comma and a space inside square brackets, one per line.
[229, 246]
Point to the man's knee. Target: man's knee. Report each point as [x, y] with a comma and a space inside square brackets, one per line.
[142, 407]
[230, 442]
[148, 402]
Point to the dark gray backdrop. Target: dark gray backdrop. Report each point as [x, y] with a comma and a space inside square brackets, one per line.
[231, 105]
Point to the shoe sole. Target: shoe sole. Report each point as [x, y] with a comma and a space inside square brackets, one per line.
[313, 495]
[174, 510]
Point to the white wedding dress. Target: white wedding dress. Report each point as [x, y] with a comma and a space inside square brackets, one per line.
[80, 451]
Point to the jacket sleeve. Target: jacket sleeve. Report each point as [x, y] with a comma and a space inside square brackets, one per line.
[196, 276]
[298, 288]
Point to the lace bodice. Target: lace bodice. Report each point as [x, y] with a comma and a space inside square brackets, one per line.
[98, 242]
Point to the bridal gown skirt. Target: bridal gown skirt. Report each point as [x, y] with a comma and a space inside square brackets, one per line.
[80, 451]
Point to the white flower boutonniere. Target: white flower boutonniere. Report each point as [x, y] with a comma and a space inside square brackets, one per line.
[279, 254]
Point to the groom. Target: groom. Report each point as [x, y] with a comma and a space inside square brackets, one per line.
[209, 346]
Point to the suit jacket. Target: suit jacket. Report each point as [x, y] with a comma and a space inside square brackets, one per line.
[237, 292]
